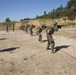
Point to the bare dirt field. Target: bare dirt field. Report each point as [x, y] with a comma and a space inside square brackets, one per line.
[22, 54]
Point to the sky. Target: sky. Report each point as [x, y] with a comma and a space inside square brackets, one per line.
[20, 9]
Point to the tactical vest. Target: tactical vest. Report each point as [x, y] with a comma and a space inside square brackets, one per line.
[49, 30]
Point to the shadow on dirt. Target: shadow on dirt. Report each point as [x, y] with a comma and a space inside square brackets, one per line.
[58, 48]
[3, 38]
[9, 49]
[45, 40]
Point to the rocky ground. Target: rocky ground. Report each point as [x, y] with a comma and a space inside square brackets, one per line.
[22, 54]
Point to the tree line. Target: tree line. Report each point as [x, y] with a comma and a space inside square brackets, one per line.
[69, 10]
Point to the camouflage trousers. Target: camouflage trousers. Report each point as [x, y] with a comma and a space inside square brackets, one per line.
[50, 42]
[26, 30]
[39, 37]
[31, 32]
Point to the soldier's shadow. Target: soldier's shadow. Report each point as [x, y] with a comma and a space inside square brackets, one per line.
[58, 48]
[9, 49]
[45, 40]
[3, 38]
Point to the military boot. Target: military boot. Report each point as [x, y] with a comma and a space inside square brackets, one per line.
[53, 51]
[48, 47]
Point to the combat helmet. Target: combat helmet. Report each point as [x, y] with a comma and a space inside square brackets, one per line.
[54, 23]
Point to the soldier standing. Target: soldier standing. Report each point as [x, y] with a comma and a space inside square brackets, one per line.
[26, 28]
[7, 30]
[39, 30]
[50, 30]
[30, 29]
[13, 28]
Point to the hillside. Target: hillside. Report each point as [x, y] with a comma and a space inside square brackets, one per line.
[38, 22]
[47, 22]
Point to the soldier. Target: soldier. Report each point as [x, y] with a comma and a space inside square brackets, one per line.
[30, 29]
[39, 30]
[22, 27]
[50, 30]
[13, 28]
[26, 27]
[7, 28]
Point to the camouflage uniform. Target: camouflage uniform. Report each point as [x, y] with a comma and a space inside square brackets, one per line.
[22, 27]
[13, 27]
[30, 29]
[7, 28]
[26, 28]
[39, 30]
[50, 30]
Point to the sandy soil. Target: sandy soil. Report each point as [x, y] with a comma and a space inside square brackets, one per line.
[22, 54]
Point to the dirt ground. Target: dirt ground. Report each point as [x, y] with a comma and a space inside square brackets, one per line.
[22, 54]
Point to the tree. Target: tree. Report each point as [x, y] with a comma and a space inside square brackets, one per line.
[36, 16]
[69, 11]
[71, 4]
[44, 12]
[8, 20]
[71, 7]
[53, 10]
[59, 9]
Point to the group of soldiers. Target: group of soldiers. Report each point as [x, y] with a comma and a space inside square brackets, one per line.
[8, 27]
[28, 28]
[49, 31]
